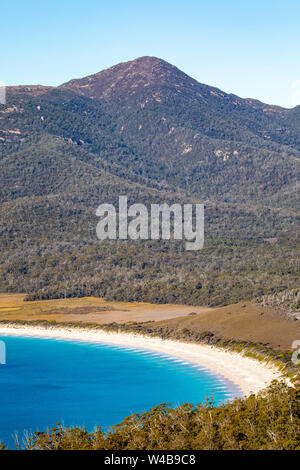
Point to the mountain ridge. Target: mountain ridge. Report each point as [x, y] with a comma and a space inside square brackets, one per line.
[143, 60]
[63, 152]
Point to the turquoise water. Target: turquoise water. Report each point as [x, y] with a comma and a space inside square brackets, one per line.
[46, 381]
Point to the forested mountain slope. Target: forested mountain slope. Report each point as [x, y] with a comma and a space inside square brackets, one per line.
[147, 130]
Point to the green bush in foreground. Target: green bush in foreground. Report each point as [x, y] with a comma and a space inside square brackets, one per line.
[270, 420]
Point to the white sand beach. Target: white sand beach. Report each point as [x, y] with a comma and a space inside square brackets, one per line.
[248, 374]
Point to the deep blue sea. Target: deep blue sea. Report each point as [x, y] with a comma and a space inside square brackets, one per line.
[46, 381]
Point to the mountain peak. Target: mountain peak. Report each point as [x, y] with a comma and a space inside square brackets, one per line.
[145, 61]
[146, 66]
[141, 72]
[147, 74]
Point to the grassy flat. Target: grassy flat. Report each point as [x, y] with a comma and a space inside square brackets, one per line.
[243, 321]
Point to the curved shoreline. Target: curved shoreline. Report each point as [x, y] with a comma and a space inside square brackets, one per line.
[248, 374]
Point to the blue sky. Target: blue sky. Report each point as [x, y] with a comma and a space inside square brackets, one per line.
[247, 47]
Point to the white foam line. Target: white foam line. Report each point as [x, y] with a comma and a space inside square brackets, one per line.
[246, 373]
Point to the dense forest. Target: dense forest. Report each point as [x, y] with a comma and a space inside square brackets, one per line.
[148, 131]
